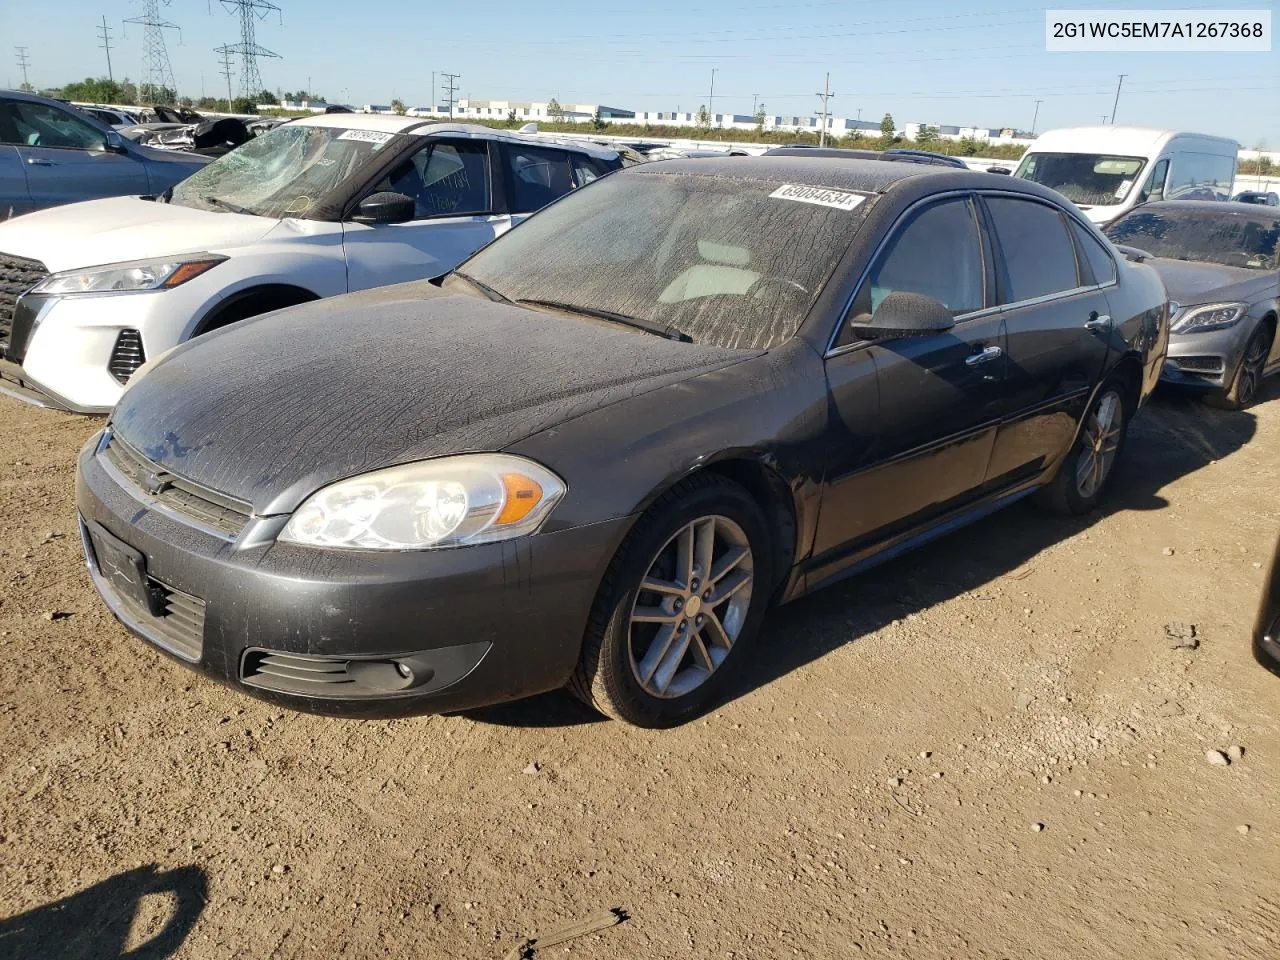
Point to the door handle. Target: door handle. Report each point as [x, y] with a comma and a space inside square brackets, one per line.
[1098, 321]
[985, 355]
[41, 162]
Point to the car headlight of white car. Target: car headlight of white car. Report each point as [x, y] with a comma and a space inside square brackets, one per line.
[450, 502]
[129, 277]
[1210, 316]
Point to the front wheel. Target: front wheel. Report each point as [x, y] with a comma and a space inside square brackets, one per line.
[1244, 386]
[1085, 475]
[679, 607]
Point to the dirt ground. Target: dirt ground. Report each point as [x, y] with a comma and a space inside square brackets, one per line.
[985, 749]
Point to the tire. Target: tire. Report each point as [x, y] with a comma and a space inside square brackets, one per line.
[622, 670]
[1068, 492]
[1248, 379]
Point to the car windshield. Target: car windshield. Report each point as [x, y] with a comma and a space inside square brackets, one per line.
[1208, 234]
[1095, 179]
[731, 262]
[283, 173]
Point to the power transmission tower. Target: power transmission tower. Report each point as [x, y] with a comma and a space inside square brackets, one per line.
[250, 11]
[826, 94]
[157, 71]
[104, 34]
[226, 71]
[23, 60]
[452, 88]
[1117, 103]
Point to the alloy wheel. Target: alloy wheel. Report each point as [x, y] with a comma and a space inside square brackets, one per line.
[690, 606]
[1100, 442]
[1255, 357]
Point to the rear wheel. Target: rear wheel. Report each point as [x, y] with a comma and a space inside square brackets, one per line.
[1248, 379]
[1085, 475]
[679, 607]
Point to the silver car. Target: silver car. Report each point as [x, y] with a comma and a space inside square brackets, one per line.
[51, 153]
[1219, 265]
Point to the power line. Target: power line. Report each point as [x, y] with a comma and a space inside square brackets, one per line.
[157, 71]
[104, 34]
[826, 94]
[452, 88]
[226, 53]
[250, 12]
[23, 60]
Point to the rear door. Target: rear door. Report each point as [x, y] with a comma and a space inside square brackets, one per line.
[537, 176]
[1058, 324]
[921, 448]
[452, 185]
[65, 157]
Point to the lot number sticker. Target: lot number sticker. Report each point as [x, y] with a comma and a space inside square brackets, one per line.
[819, 195]
[369, 136]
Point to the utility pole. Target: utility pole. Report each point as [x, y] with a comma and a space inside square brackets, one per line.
[826, 94]
[1104, 119]
[433, 92]
[711, 100]
[104, 34]
[22, 62]
[1117, 103]
[755, 103]
[226, 50]
[452, 88]
[1035, 117]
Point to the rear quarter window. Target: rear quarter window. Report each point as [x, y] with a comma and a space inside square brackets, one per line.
[1100, 262]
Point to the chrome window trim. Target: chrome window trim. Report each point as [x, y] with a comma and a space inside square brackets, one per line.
[834, 351]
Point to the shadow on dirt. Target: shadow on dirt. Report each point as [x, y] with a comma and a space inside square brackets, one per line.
[95, 923]
[1175, 435]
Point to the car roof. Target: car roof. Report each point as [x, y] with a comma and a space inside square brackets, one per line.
[417, 127]
[1117, 140]
[873, 176]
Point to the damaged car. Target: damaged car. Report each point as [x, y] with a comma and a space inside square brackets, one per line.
[1219, 264]
[596, 453]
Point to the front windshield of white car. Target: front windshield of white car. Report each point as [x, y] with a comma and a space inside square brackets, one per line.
[283, 173]
[1094, 179]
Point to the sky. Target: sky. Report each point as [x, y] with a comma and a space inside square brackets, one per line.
[982, 63]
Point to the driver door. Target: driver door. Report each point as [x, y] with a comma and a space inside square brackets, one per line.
[66, 157]
[451, 183]
[916, 444]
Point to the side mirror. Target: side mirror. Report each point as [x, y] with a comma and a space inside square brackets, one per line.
[903, 314]
[1004, 170]
[385, 208]
[115, 143]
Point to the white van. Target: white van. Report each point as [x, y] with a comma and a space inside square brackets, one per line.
[1107, 171]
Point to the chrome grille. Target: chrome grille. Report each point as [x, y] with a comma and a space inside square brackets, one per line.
[127, 355]
[17, 276]
[214, 512]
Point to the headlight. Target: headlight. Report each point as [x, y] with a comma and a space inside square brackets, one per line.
[451, 502]
[1211, 316]
[129, 277]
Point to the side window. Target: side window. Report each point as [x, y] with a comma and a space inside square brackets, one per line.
[937, 253]
[1101, 264]
[39, 125]
[1037, 253]
[584, 170]
[537, 177]
[1200, 176]
[1153, 189]
[444, 180]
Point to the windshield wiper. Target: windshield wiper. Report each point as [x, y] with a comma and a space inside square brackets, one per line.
[648, 326]
[484, 288]
[232, 207]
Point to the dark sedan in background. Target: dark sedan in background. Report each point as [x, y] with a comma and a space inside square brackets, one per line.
[1219, 264]
[606, 444]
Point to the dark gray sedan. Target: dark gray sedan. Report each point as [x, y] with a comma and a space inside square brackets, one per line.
[605, 445]
[1218, 262]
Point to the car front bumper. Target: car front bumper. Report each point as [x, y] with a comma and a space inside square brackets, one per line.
[1205, 361]
[325, 631]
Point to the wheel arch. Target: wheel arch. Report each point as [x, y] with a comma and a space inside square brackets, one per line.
[251, 302]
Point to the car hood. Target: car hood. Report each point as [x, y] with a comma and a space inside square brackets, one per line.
[273, 408]
[1190, 283]
[124, 228]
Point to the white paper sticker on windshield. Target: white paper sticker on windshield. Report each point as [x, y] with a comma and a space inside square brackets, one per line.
[819, 195]
[369, 136]
[1123, 189]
